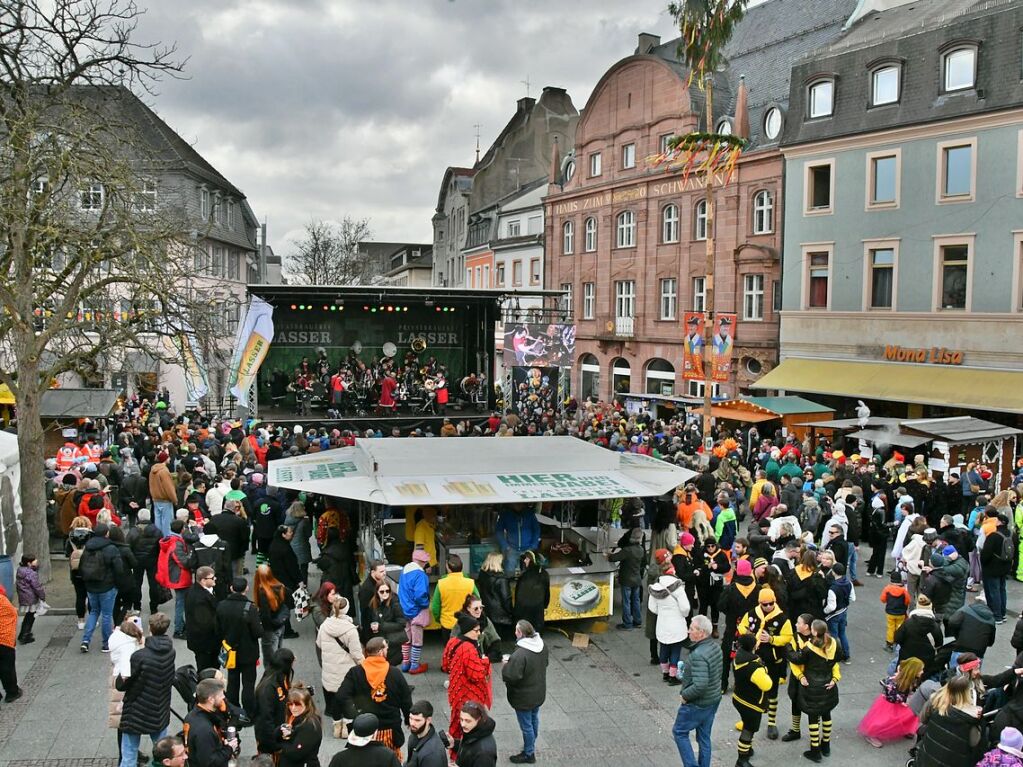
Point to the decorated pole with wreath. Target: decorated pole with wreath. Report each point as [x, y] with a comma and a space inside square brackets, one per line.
[706, 27]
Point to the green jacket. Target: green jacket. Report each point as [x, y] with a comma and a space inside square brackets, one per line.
[955, 573]
[701, 675]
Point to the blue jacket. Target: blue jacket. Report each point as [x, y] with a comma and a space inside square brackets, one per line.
[413, 590]
[519, 531]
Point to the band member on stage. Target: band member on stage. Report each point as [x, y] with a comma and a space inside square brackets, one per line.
[387, 387]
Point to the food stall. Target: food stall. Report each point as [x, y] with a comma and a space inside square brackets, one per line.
[470, 480]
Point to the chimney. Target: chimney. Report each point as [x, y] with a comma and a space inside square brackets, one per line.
[555, 164]
[647, 43]
[741, 126]
[525, 103]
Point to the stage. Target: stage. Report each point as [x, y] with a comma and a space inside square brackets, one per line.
[404, 420]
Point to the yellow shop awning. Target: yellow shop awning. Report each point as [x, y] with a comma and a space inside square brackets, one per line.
[6, 398]
[968, 388]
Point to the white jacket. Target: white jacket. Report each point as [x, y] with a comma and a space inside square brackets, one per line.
[912, 554]
[122, 647]
[668, 602]
[336, 662]
[775, 527]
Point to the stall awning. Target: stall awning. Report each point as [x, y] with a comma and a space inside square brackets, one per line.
[475, 470]
[6, 397]
[737, 414]
[892, 437]
[969, 388]
[77, 403]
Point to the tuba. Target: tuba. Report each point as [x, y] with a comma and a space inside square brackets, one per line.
[419, 344]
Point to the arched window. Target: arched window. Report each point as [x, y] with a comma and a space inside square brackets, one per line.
[700, 223]
[821, 99]
[626, 229]
[763, 212]
[590, 233]
[568, 239]
[884, 85]
[660, 377]
[589, 376]
[621, 376]
[959, 68]
[669, 223]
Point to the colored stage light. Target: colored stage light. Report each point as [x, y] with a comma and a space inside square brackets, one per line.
[293, 306]
[373, 309]
[365, 308]
[333, 308]
[437, 308]
[324, 308]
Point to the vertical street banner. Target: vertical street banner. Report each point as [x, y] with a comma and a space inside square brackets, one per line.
[724, 342]
[692, 351]
[181, 344]
[251, 346]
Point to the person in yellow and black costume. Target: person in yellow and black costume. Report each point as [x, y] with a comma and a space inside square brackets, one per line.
[816, 666]
[772, 631]
[800, 639]
[749, 696]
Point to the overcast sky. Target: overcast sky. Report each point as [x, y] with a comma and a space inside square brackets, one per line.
[318, 109]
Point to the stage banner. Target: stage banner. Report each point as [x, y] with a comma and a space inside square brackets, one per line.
[724, 342]
[539, 343]
[692, 348]
[251, 346]
[180, 343]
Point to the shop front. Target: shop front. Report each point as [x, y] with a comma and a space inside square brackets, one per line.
[462, 485]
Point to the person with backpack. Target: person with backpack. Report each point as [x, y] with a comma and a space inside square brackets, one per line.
[144, 540]
[201, 625]
[341, 649]
[78, 536]
[995, 565]
[101, 566]
[147, 691]
[239, 621]
[878, 533]
[174, 571]
[213, 551]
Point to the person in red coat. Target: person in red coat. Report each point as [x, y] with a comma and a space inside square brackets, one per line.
[468, 671]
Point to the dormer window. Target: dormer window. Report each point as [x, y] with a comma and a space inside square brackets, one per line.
[821, 99]
[884, 87]
[772, 123]
[959, 67]
[724, 127]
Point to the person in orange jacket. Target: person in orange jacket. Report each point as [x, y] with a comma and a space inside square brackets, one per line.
[8, 656]
[895, 599]
[687, 504]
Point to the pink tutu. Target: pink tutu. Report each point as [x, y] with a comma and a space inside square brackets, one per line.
[888, 721]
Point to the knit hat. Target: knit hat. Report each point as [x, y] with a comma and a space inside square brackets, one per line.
[743, 567]
[687, 539]
[162, 456]
[662, 556]
[895, 577]
[1011, 741]
[949, 551]
[257, 479]
[760, 562]
[364, 727]
[937, 560]
[467, 623]
[766, 595]
[421, 555]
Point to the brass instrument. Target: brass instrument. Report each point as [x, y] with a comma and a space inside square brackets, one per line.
[419, 344]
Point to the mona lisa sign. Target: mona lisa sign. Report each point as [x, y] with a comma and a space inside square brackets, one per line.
[935, 355]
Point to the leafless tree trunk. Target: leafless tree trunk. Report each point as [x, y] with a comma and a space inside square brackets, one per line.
[329, 254]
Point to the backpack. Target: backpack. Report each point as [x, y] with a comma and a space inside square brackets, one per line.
[76, 557]
[1005, 553]
[811, 517]
[93, 566]
[168, 546]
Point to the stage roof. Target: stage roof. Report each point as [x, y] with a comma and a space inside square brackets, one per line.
[445, 471]
[363, 292]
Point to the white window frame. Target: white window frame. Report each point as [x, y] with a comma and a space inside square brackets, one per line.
[972, 50]
[625, 229]
[808, 209]
[234, 265]
[477, 277]
[942, 241]
[887, 67]
[218, 210]
[534, 225]
[669, 298]
[628, 156]
[566, 300]
[763, 212]
[589, 300]
[814, 88]
[147, 196]
[871, 158]
[499, 274]
[753, 297]
[670, 221]
[939, 192]
[813, 249]
[204, 203]
[590, 235]
[468, 277]
[662, 142]
[696, 389]
[767, 121]
[513, 228]
[700, 220]
[568, 238]
[92, 196]
[699, 294]
[486, 275]
[535, 271]
[625, 298]
[869, 246]
[595, 164]
[517, 273]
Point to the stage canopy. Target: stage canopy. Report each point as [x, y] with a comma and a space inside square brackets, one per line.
[469, 470]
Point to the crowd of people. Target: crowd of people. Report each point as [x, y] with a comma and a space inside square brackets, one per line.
[742, 581]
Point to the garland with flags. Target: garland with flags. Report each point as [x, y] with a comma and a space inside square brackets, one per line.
[700, 152]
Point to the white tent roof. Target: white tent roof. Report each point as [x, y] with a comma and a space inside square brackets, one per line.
[9, 454]
[468, 470]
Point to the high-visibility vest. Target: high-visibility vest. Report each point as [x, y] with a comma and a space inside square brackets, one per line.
[66, 456]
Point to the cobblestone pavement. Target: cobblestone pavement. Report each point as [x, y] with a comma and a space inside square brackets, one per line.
[606, 705]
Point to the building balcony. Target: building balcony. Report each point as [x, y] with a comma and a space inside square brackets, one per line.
[616, 328]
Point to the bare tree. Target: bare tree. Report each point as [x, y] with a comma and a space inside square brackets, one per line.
[328, 254]
[92, 261]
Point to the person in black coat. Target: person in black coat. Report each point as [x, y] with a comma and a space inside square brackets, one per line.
[201, 628]
[271, 708]
[202, 727]
[950, 734]
[356, 696]
[477, 748]
[362, 750]
[302, 733]
[144, 540]
[525, 677]
[337, 563]
[125, 580]
[837, 544]
[995, 567]
[532, 592]
[495, 590]
[385, 614]
[283, 561]
[426, 748]
[235, 531]
[239, 621]
[921, 635]
[973, 627]
[147, 691]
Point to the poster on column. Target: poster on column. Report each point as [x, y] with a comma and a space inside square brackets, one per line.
[724, 342]
[692, 348]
